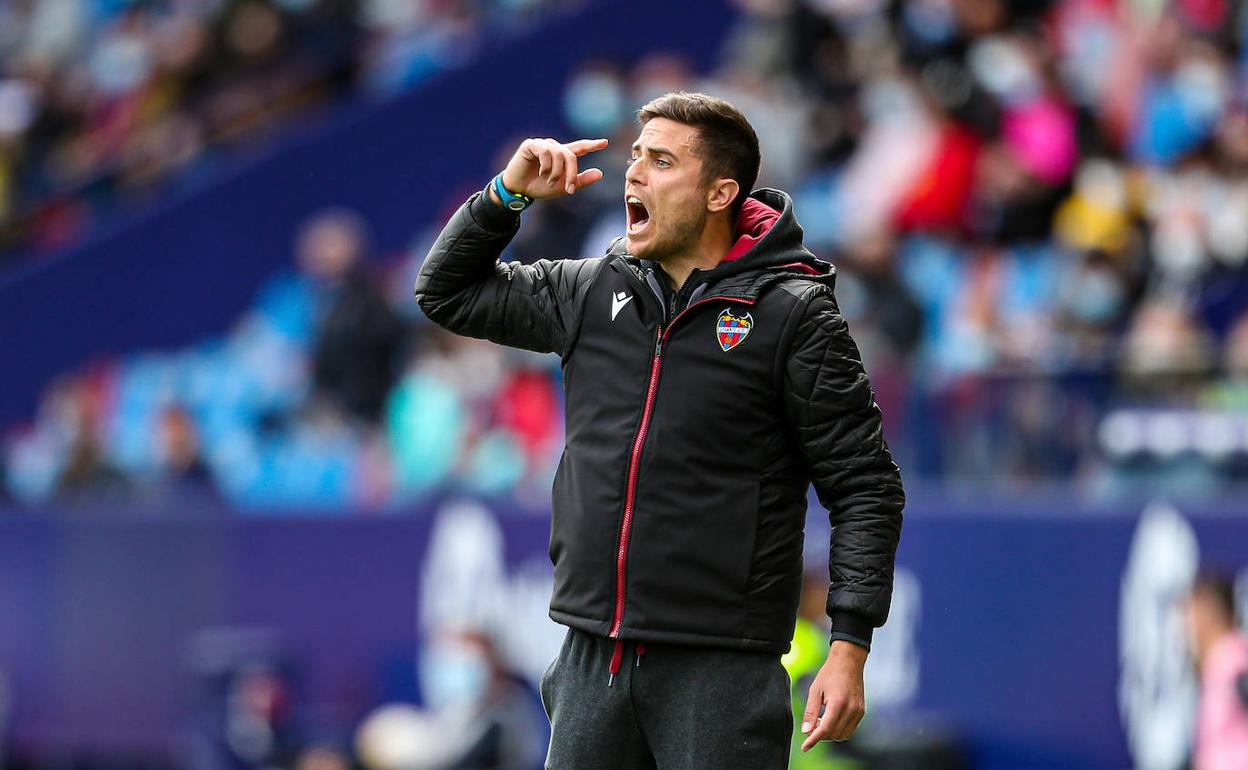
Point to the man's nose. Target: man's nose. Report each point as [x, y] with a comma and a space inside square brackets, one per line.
[632, 175]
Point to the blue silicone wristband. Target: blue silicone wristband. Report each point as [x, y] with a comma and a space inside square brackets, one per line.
[513, 201]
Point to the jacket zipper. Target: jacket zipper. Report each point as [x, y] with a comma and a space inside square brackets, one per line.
[630, 495]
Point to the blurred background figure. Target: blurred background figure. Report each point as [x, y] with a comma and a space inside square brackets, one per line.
[1220, 650]
[355, 358]
[87, 473]
[183, 470]
[245, 701]
[478, 714]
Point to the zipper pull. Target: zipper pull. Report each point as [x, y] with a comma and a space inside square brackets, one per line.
[658, 345]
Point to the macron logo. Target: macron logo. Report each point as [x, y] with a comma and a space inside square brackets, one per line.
[618, 301]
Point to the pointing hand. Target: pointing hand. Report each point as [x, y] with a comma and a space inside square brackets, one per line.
[544, 168]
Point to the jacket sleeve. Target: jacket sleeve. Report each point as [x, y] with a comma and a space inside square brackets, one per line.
[836, 422]
[463, 286]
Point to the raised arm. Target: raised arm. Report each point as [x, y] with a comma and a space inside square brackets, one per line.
[463, 287]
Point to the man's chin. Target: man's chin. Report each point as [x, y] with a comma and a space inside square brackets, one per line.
[642, 249]
[633, 247]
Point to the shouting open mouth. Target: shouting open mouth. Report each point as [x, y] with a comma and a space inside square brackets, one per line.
[638, 215]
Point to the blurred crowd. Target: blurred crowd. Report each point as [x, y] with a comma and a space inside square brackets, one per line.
[332, 392]
[106, 104]
[1038, 210]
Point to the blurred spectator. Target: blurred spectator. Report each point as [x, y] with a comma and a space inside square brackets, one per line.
[183, 468]
[1220, 650]
[529, 409]
[246, 710]
[873, 297]
[464, 672]
[478, 715]
[354, 360]
[258, 718]
[1165, 347]
[87, 474]
[427, 418]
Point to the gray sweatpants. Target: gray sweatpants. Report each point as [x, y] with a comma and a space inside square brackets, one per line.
[672, 707]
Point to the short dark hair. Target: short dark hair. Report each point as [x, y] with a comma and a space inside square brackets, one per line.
[1218, 588]
[727, 143]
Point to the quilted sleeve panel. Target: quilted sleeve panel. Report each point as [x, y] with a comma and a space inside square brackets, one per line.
[836, 422]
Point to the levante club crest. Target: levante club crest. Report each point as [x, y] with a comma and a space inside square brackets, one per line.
[731, 330]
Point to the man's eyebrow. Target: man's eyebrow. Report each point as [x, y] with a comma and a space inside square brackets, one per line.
[653, 150]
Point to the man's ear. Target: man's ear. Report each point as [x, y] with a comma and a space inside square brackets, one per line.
[721, 194]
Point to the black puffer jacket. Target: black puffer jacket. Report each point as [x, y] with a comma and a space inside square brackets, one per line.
[695, 424]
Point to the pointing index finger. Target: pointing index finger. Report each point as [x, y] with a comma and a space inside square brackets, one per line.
[586, 146]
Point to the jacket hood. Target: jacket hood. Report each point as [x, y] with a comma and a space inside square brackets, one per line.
[768, 248]
[768, 235]
[753, 223]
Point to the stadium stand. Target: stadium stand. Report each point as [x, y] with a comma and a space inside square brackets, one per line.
[1043, 263]
[241, 475]
[110, 105]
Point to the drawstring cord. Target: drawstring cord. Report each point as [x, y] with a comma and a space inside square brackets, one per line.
[617, 658]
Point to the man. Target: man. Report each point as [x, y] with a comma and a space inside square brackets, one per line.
[1220, 651]
[709, 379]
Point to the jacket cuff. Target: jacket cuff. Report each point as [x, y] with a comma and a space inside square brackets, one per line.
[492, 216]
[851, 627]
